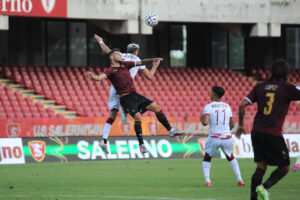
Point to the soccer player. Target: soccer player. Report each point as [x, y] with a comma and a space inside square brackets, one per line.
[114, 99]
[218, 116]
[297, 164]
[130, 100]
[273, 98]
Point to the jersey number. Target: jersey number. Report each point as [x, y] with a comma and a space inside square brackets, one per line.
[269, 107]
[217, 111]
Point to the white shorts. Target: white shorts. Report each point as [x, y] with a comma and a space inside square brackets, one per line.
[114, 99]
[212, 145]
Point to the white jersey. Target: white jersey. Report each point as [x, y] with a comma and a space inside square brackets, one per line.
[219, 118]
[114, 100]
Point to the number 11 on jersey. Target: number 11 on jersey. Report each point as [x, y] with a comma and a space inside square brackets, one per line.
[224, 111]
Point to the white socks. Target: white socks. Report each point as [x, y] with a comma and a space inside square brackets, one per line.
[206, 170]
[235, 167]
[106, 130]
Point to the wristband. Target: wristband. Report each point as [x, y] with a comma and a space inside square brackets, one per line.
[101, 42]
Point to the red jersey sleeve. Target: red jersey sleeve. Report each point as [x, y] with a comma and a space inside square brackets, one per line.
[251, 97]
[128, 64]
[293, 92]
[107, 72]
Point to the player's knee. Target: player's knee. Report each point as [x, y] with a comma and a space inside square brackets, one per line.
[157, 108]
[110, 120]
[285, 169]
[137, 117]
[230, 158]
[207, 157]
[154, 107]
[113, 114]
[260, 171]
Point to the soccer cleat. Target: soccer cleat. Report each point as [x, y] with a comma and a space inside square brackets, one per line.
[173, 132]
[262, 192]
[208, 184]
[104, 146]
[296, 166]
[143, 149]
[241, 183]
[124, 117]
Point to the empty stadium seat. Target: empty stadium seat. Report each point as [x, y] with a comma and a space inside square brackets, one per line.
[14, 106]
[180, 92]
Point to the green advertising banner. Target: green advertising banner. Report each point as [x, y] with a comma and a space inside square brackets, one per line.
[64, 149]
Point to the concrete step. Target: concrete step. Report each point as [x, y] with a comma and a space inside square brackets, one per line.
[28, 92]
[59, 108]
[69, 114]
[38, 97]
[5, 81]
[17, 87]
[48, 103]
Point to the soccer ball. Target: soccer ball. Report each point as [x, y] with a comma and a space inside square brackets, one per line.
[151, 19]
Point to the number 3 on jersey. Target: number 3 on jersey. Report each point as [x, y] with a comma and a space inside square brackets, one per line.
[269, 107]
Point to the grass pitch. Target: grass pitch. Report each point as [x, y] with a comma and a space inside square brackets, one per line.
[135, 179]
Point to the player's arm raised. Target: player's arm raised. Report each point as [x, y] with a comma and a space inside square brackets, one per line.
[95, 77]
[242, 110]
[150, 74]
[103, 46]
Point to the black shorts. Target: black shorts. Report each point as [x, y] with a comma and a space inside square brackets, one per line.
[269, 148]
[134, 103]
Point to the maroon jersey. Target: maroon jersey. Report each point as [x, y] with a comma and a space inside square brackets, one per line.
[120, 77]
[273, 100]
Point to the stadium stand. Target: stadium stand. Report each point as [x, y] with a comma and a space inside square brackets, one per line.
[180, 92]
[13, 105]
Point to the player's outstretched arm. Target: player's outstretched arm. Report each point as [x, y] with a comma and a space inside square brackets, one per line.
[150, 74]
[94, 77]
[148, 60]
[103, 46]
[242, 110]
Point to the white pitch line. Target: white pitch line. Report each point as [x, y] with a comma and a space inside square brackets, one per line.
[99, 196]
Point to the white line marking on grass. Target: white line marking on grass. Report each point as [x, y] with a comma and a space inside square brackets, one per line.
[99, 196]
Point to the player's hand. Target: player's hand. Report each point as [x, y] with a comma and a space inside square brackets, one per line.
[98, 38]
[240, 130]
[156, 63]
[158, 59]
[91, 75]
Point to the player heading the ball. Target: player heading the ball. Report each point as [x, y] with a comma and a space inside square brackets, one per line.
[132, 102]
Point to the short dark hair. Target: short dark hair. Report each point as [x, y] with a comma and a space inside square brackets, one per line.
[219, 91]
[112, 51]
[280, 69]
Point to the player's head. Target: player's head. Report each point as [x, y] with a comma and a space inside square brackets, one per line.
[216, 93]
[133, 48]
[280, 69]
[114, 56]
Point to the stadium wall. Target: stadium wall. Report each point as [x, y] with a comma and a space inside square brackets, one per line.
[65, 149]
[92, 127]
